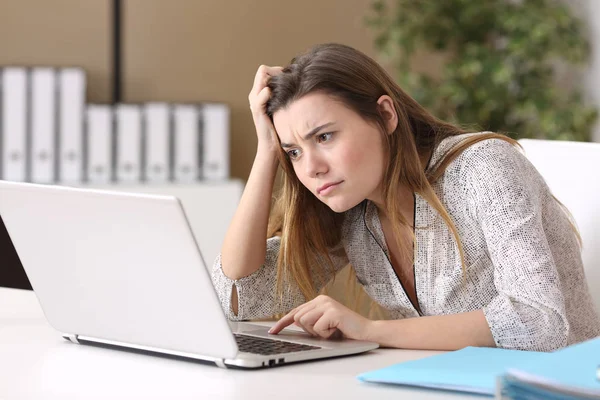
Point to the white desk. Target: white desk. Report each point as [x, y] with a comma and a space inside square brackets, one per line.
[37, 363]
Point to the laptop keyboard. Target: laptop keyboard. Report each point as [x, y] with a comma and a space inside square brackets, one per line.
[264, 346]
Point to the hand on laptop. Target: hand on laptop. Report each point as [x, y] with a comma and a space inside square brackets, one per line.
[325, 317]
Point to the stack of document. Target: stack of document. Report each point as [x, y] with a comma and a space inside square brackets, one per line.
[569, 373]
[49, 134]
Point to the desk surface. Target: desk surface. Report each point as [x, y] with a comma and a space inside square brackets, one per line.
[37, 363]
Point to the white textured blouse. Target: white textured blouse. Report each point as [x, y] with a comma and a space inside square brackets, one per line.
[523, 264]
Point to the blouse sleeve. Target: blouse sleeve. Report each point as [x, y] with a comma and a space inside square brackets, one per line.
[508, 195]
[257, 291]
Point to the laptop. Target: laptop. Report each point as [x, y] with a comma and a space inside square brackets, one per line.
[124, 270]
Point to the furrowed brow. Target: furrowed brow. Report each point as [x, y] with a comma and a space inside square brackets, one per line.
[309, 134]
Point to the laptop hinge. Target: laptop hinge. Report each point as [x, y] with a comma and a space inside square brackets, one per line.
[220, 362]
[71, 338]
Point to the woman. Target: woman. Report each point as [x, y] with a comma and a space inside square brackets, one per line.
[456, 235]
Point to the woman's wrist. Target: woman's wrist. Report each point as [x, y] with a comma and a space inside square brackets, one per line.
[372, 331]
[267, 152]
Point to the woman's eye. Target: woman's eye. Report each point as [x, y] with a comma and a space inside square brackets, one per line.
[324, 137]
[293, 154]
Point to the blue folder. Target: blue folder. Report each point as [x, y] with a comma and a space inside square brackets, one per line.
[568, 372]
[472, 369]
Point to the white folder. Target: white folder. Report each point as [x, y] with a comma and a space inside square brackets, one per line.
[186, 139]
[129, 142]
[71, 114]
[215, 146]
[14, 124]
[100, 143]
[43, 124]
[157, 131]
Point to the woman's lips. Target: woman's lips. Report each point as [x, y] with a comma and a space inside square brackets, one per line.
[328, 189]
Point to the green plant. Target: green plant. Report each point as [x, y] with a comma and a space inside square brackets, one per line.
[503, 58]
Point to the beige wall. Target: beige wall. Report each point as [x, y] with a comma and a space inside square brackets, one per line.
[180, 50]
[189, 50]
[59, 33]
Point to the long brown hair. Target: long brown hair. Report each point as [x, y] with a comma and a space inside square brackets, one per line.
[308, 228]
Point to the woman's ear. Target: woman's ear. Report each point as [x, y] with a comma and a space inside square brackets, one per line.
[388, 112]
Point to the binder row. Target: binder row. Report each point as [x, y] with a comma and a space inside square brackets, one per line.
[48, 134]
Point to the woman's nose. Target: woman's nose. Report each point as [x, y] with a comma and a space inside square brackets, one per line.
[314, 164]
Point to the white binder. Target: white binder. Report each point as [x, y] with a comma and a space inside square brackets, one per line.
[129, 141]
[215, 145]
[43, 125]
[100, 143]
[157, 131]
[186, 139]
[71, 114]
[14, 124]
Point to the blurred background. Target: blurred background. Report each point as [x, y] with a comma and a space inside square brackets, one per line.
[530, 68]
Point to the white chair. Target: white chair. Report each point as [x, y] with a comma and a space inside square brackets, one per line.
[571, 171]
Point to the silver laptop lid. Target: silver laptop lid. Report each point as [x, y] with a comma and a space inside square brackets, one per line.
[116, 266]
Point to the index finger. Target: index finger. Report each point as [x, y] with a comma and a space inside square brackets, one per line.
[275, 70]
[263, 74]
[287, 320]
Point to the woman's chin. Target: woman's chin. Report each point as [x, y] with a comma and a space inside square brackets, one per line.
[340, 205]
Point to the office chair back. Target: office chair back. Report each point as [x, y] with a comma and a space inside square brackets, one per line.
[570, 170]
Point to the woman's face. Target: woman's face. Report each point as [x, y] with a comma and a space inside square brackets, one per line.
[336, 154]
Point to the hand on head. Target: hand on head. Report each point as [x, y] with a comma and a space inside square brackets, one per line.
[258, 97]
